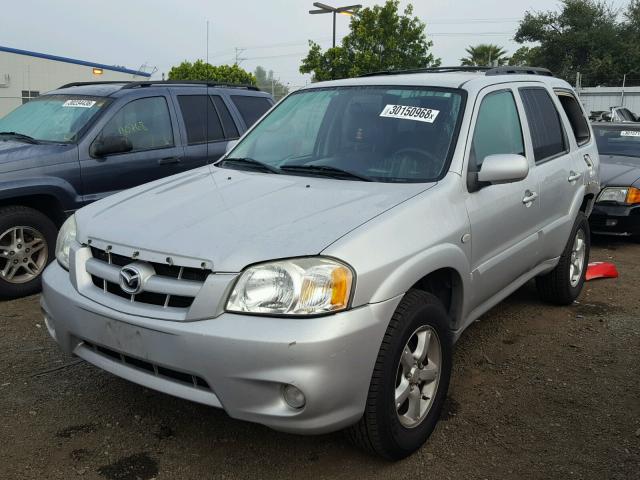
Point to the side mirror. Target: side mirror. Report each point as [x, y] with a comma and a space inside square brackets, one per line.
[230, 145]
[503, 168]
[111, 145]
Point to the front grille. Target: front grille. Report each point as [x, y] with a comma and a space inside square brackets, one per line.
[165, 299]
[152, 368]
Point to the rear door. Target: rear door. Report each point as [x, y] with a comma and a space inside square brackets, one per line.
[149, 124]
[558, 175]
[206, 126]
[503, 217]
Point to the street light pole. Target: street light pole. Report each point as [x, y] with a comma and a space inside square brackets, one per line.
[322, 8]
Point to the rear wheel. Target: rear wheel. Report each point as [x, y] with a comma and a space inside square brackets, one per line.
[564, 283]
[27, 245]
[409, 381]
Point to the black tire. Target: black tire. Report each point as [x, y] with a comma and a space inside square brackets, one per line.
[555, 287]
[16, 215]
[380, 431]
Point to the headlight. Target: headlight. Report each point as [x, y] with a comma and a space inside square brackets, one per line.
[300, 286]
[628, 195]
[66, 236]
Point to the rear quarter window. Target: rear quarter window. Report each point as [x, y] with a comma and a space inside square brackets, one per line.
[251, 108]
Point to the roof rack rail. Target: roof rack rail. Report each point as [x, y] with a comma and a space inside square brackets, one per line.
[147, 83]
[81, 84]
[204, 83]
[508, 70]
[428, 70]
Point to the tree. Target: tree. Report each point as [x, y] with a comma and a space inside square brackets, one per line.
[524, 56]
[484, 55]
[380, 39]
[266, 81]
[586, 36]
[200, 70]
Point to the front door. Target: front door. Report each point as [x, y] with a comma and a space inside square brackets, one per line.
[503, 217]
[147, 124]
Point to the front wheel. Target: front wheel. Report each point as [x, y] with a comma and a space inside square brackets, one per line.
[410, 379]
[564, 283]
[27, 245]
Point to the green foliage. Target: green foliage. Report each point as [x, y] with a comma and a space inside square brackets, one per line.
[266, 81]
[525, 56]
[200, 70]
[484, 55]
[380, 39]
[586, 36]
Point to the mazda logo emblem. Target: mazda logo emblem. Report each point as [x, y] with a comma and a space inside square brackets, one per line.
[130, 280]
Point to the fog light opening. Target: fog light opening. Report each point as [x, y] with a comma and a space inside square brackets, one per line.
[293, 396]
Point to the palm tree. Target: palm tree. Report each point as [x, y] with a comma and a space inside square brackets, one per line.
[484, 55]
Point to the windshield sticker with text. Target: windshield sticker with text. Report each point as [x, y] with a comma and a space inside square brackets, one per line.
[410, 113]
[79, 103]
[630, 133]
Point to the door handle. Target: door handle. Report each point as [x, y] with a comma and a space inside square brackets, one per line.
[169, 160]
[529, 197]
[573, 176]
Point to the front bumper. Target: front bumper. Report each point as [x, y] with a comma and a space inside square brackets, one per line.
[244, 360]
[621, 220]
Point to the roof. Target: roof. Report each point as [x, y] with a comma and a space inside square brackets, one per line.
[73, 61]
[469, 80]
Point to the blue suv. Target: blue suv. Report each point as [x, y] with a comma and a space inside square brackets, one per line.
[84, 141]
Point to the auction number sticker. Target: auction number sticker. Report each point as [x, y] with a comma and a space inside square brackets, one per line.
[79, 103]
[419, 114]
[630, 133]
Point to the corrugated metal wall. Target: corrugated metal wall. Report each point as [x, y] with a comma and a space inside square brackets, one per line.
[601, 98]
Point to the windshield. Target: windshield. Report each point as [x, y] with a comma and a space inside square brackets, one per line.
[384, 134]
[623, 140]
[53, 118]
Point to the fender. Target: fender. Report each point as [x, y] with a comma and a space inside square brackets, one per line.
[55, 187]
[413, 269]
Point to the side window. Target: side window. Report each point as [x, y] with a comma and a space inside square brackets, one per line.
[547, 134]
[145, 122]
[200, 119]
[230, 129]
[576, 118]
[497, 129]
[251, 108]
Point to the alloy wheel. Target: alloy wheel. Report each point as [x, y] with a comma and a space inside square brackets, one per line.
[23, 254]
[418, 376]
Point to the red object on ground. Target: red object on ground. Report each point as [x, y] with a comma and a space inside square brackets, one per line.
[601, 270]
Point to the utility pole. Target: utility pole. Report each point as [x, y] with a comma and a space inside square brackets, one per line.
[624, 81]
[239, 59]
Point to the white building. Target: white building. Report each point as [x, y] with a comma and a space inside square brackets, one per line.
[25, 74]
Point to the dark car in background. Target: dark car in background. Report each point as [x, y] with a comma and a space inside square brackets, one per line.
[617, 208]
[84, 141]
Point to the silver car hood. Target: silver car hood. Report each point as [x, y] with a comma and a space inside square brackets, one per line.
[234, 218]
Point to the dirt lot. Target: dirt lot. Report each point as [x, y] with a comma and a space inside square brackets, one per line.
[537, 392]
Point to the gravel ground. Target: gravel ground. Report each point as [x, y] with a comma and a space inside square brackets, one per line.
[537, 392]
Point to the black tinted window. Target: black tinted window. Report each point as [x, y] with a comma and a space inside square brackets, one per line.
[251, 108]
[230, 129]
[546, 130]
[576, 118]
[200, 118]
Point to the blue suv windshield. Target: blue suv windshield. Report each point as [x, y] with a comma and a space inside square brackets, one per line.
[377, 133]
[53, 118]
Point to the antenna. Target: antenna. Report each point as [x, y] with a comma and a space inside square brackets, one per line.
[207, 100]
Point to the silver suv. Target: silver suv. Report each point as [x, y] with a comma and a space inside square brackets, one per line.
[317, 276]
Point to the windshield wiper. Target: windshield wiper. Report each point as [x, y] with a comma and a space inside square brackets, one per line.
[249, 163]
[325, 170]
[20, 136]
